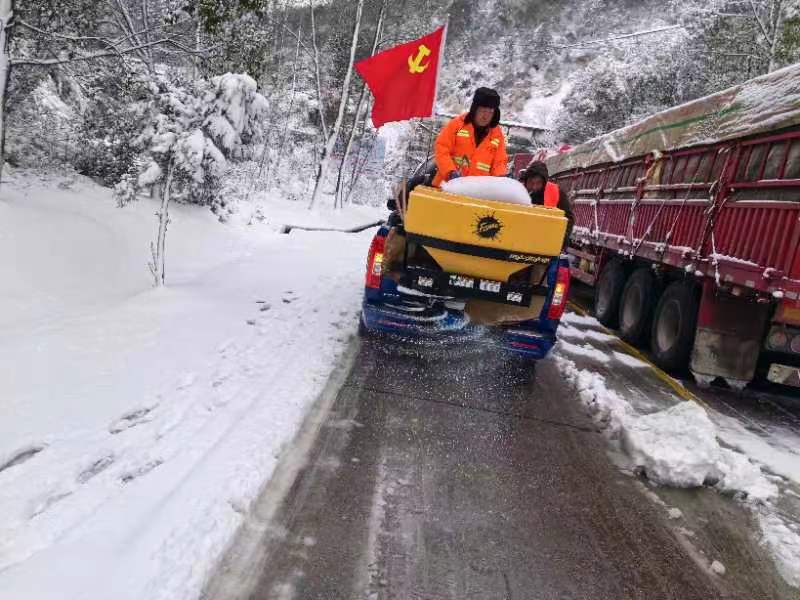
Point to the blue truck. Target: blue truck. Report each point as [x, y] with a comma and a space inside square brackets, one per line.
[449, 267]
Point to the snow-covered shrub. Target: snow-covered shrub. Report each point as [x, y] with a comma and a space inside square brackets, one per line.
[111, 125]
[235, 112]
[190, 131]
[41, 128]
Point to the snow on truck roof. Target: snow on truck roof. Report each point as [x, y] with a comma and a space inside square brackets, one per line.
[763, 104]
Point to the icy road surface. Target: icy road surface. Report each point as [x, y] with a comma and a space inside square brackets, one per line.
[440, 475]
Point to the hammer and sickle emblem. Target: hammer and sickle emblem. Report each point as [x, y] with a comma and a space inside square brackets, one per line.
[415, 63]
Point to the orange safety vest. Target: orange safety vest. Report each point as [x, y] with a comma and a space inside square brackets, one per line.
[456, 151]
[552, 194]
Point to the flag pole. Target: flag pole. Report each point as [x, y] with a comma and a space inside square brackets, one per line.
[439, 63]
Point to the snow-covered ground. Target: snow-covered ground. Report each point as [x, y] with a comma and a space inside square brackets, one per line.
[682, 443]
[137, 425]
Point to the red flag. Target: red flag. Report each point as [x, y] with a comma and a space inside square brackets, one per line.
[403, 79]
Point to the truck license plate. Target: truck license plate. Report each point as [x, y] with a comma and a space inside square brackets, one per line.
[490, 286]
[462, 282]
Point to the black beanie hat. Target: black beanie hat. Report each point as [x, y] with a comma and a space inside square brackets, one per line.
[485, 97]
[535, 168]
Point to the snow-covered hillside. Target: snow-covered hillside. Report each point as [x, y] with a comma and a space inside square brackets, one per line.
[516, 47]
[586, 67]
[137, 424]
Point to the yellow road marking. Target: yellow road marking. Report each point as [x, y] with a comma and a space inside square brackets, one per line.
[676, 386]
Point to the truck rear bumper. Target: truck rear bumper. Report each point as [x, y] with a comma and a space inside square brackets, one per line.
[448, 326]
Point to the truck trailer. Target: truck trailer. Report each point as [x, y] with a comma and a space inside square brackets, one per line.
[688, 228]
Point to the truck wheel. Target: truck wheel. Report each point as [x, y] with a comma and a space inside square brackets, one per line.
[636, 306]
[608, 292]
[674, 325]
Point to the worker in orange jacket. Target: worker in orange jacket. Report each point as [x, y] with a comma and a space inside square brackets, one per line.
[543, 192]
[472, 143]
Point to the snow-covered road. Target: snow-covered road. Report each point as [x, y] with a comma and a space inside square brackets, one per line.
[441, 474]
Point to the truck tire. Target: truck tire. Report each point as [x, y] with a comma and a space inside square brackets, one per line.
[608, 292]
[636, 306]
[674, 326]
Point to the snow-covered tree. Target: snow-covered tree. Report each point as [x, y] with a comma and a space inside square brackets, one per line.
[621, 86]
[189, 134]
[6, 14]
[751, 36]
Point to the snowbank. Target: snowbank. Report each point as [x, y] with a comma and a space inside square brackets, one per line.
[138, 425]
[683, 445]
[586, 350]
[677, 446]
[674, 447]
[499, 189]
[606, 406]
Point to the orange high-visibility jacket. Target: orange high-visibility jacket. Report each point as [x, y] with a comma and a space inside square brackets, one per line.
[456, 151]
[552, 195]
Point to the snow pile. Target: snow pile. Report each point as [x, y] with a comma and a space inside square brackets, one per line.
[737, 474]
[776, 448]
[675, 447]
[685, 446]
[678, 447]
[718, 568]
[629, 361]
[499, 189]
[608, 408]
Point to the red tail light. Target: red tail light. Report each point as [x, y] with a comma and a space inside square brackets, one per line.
[559, 301]
[375, 262]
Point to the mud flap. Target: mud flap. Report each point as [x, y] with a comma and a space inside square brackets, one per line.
[394, 250]
[729, 336]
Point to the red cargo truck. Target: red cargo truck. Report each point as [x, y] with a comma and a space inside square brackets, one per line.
[688, 227]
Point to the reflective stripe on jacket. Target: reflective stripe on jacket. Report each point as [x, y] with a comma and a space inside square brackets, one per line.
[456, 151]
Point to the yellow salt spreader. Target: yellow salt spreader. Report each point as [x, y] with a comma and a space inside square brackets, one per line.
[451, 264]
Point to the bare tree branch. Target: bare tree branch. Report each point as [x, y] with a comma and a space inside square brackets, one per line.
[47, 62]
[128, 21]
[767, 39]
[111, 44]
